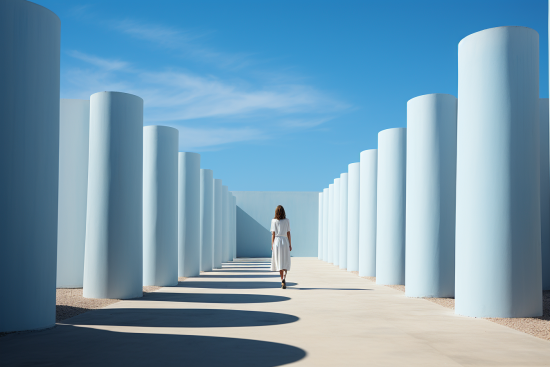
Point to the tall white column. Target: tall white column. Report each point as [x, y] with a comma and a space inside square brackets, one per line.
[343, 241]
[498, 229]
[326, 200]
[390, 226]
[330, 223]
[336, 245]
[218, 224]
[74, 126]
[189, 237]
[234, 226]
[29, 162]
[225, 223]
[113, 256]
[544, 192]
[160, 205]
[431, 196]
[207, 219]
[353, 217]
[320, 228]
[367, 213]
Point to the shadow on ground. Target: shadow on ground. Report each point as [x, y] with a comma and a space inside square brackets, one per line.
[76, 346]
[212, 298]
[232, 285]
[331, 289]
[175, 317]
[208, 276]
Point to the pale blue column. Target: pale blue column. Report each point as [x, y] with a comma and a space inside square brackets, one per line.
[431, 196]
[225, 223]
[353, 217]
[234, 226]
[320, 228]
[343, 242]
[218, 224]
[29, 162]
[326, 199]
[367, 213]
[113, 256]
[390, 226]
[207, 219]
[498, 228]
[544, 192]
[336, 245]
[189, 238]
[74, 126]
[160, 205]
[330, 223]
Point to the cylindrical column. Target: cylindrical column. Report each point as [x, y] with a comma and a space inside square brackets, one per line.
[207, 219]
[113, 256]
[160, 205]
[225, 223]
[189, 226]
[353, 217]
[498, 229]
[390, 226]
[218, 223]
[367, 213]
[29, 162]
[544, 192]
[336, 245]
[74, 126]
[343, 242]
[326, 217]
[431, 196]
[320, 228]
[330, 223]
[234, 226]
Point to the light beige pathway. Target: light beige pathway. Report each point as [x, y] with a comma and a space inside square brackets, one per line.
[238, 316]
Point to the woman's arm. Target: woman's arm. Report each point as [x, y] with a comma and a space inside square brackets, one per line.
[272, 239]
[289, 241]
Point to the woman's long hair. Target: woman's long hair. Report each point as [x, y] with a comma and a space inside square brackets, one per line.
[280, 213]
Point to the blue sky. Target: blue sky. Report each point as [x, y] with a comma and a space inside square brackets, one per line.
[277, 95]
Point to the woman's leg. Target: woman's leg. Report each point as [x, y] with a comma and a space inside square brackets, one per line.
[281, 272]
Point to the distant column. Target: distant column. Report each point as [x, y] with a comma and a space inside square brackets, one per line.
[234, 211]
[336, 246]
[353, 217]
[544, 192]
[320, 228]
[326, 200]
[330, 223]
[160, 205]
[207, 219]
[218, 224]
[390, 226]
[225, 223]
[74, 126]
[189, 251]
[343, 242]
[367, 213]
[498, 233]
[431, 196]
[29, 162]
[113, 256]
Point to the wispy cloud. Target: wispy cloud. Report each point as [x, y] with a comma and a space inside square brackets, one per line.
[105, 64]
[200, 139]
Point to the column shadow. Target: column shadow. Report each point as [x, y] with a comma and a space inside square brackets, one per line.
[212, 297]
[79, 346]
[231, 285]
[177, 318]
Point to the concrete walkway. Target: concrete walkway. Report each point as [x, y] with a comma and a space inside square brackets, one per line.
[239, 316]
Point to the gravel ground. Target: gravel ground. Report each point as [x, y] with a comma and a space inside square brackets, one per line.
[70, 302]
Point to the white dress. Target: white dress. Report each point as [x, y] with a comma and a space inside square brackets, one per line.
[280, 258]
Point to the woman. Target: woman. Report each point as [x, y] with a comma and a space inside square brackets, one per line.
[280, 244]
